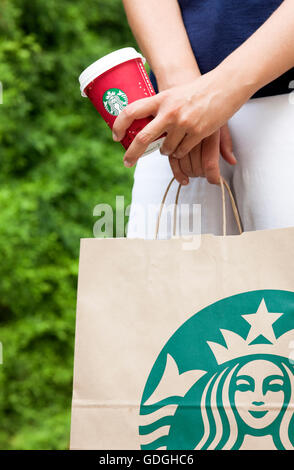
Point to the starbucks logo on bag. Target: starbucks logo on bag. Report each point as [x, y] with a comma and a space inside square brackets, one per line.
[225, 379]
[115, 100]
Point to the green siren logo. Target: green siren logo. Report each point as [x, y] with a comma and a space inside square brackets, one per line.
[115, 100]
[225, 379]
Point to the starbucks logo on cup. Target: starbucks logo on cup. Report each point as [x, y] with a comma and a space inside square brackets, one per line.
[114, 100]
[225, 378]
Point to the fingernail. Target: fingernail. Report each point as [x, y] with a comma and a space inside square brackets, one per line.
[234, 156]
[185, 182]
[114, 136]
[127, 164]
[164, 152]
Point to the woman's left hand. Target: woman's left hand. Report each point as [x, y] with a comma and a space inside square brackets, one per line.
[203, 159]
[188, 114]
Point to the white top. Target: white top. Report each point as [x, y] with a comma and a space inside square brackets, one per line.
[105, 63]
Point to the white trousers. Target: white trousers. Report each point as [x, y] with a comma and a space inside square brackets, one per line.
[262, 180]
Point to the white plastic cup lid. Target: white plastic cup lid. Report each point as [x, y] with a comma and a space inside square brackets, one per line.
[106, 63]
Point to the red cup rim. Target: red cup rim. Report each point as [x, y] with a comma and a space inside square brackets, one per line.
[106, 63]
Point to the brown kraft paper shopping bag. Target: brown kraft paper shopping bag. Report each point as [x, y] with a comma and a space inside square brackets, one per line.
[179, 349]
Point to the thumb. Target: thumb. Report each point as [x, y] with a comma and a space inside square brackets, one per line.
[226, 145]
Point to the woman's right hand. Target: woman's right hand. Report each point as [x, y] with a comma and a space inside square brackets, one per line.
[203, 160]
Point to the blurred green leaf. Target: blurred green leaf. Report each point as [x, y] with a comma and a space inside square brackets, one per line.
[57, 161]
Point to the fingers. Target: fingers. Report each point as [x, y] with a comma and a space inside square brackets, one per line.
[186, 165]
[177, 171]
[196, 160]
[140, 143]
[187, 144]
[226, 145]
[172, 140]
[136, 110]
[210, 158]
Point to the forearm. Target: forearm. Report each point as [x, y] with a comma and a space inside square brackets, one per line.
[266, 55]
[161, 35]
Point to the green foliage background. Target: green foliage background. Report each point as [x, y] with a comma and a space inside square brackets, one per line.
[57, 162]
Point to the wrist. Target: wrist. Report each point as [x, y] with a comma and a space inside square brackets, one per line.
[171, 78]
[241, 77]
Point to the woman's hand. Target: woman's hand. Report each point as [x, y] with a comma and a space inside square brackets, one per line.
[192, 112]
[188, 114]
[203, 159]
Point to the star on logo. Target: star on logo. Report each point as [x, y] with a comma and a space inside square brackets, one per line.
[262, 323]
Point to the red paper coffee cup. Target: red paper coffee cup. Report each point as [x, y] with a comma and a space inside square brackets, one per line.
[115, 81]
